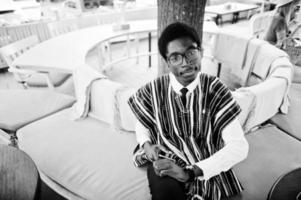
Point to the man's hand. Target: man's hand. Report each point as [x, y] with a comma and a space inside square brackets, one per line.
[152, 150]
[166, 167]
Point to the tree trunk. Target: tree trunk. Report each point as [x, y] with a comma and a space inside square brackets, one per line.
[190, 12]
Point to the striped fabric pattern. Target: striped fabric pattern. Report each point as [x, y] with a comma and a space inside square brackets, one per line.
[192, 131]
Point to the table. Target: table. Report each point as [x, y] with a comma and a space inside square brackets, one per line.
[230, 8]
[64, 53]
[19, 175]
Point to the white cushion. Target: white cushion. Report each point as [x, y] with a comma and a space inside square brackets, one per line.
[290, 122]
[271, 154]
[127, 118]
[269, 96]
[21, 107]
[295, 91]
[102, 102]
[226, 55]
[39, 80]
[282, 68]
[94, 162]
[86, 157]
[83, 77]
[246, 101]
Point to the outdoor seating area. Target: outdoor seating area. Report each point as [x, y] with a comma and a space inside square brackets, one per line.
[70, 117]
[108, 119]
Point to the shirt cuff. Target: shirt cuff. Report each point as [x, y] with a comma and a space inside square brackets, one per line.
[142, 134]
[143, 141]
[206, 168]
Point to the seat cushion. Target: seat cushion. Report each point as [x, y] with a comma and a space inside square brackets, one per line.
[246, 101]
[39, 79]
[93, 161]
[297, 74]
[295, 91]
[103, 100]
[87, 157]
[290, 123]
[271, 154]
[272, 88]
[21, 107]
[127, 118]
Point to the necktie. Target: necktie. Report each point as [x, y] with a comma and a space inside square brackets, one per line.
[183, 96]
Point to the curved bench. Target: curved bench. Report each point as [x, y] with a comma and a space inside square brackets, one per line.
[290, 123]
[72, 48]
[91, 158]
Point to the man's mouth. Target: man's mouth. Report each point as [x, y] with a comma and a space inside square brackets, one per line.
[189, 71]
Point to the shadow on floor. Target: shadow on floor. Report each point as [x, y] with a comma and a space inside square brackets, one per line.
[44, 192]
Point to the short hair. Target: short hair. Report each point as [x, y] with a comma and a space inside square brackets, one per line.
[174, 31]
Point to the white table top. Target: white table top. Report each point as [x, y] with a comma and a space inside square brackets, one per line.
[66, 52]
[230, 7]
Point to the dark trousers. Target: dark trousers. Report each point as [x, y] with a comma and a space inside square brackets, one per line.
[164, 188]
[167, 188]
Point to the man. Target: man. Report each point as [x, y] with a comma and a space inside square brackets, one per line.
[192, 136]
[278, 30]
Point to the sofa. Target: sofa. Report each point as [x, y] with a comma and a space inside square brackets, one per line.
[290, 123]
[85, 152]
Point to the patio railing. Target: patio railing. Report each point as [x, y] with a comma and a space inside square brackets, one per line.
[130, 42]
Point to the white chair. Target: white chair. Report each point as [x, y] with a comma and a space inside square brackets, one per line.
[4, 36]
[260, 22]
[28, 77]
[21, 31]
[4, 40]
[57, 28]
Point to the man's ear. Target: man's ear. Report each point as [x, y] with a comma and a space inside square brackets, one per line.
[164, 60]
[166, 63]
[202, 51]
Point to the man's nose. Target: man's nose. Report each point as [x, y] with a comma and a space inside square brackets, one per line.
[185, 61]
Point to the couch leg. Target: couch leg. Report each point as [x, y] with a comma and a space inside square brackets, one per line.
[13, 139]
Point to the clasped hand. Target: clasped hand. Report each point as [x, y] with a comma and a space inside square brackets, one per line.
[164, 167]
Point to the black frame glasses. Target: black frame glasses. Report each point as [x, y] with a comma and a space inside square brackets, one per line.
[191, 53]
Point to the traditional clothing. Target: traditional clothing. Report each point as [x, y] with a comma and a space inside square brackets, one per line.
[193, 132]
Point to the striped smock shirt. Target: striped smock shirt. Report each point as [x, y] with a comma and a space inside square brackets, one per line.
[193, 132]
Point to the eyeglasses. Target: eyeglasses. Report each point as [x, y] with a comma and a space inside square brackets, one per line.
[190, 54]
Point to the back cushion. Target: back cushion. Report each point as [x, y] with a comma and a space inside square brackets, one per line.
[102, 103]
[246, 101]
[269, 97]
[127, 118]
[282, 68]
